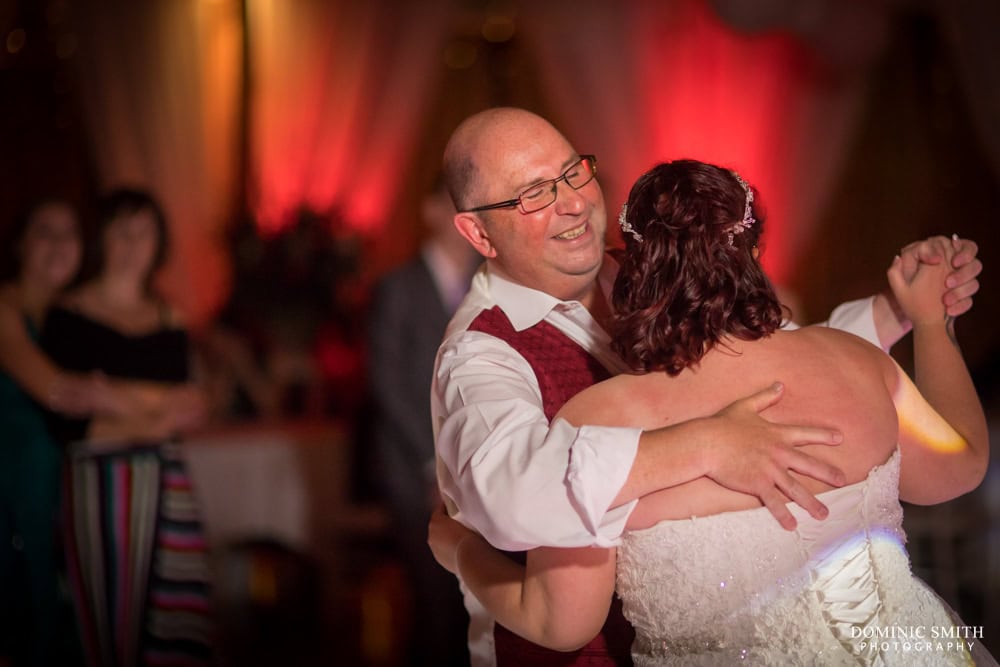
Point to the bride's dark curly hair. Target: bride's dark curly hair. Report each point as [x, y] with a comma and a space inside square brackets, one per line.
[686, 285]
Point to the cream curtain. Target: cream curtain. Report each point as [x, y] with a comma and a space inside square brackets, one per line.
[338, 94]
[160, 85]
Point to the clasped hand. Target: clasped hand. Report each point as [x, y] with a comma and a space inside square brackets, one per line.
[921, 287]
[956, 264]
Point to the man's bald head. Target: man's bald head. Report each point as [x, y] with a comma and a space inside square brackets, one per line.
[490, 131]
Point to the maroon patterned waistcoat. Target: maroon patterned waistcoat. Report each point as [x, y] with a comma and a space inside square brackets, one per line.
[563, 369]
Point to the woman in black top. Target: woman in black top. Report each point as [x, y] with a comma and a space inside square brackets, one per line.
[139, 563]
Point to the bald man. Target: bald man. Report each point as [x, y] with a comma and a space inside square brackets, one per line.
[532, 332]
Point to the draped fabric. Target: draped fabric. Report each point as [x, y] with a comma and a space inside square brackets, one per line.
[339, 96]
[971, 31]
[160, 82]
[643, 82]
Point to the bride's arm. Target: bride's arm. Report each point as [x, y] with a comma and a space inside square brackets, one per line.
[891, 320]
[558, 600]
[942, 429]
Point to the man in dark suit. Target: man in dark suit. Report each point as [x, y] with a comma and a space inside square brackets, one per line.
[410, 311]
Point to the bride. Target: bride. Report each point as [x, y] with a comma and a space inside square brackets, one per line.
[706, 575]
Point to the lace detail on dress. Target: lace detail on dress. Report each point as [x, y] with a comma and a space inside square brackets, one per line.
[845, 579]
[736, 588]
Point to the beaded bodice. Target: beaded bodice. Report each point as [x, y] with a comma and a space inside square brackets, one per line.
[736, 588]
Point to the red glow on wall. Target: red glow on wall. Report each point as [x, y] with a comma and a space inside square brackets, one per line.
[329, 132]
[718, 96]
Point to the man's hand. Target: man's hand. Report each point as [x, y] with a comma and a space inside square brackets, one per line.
[962, 282]
[444, 535]
[754, 456]
[920, 288]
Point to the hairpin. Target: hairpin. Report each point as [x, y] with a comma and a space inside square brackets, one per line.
[626, 226]
[748, 219]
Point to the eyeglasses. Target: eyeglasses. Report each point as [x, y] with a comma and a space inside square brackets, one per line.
[543, 194]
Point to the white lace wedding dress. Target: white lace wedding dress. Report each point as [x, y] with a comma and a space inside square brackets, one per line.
[736, 588]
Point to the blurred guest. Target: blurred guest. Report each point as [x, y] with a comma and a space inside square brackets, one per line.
[288, 342]
[138, 564]
[410, 311]
[232, 349]
[35, 622]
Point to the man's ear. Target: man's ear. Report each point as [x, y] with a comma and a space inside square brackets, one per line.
[470, 226]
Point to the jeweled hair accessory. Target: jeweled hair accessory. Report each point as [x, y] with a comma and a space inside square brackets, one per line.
[626, 226]
[748, 219]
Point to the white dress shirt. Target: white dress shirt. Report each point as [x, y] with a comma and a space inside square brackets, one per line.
[502, 468]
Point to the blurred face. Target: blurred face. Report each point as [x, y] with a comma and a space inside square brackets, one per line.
[437, 212]
[51, 248]
[558, 249]
[130, 244]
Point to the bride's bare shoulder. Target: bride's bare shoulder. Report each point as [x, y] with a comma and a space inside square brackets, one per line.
[833, 339]
[838, 347]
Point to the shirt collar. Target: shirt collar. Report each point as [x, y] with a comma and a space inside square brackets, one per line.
[525, 307]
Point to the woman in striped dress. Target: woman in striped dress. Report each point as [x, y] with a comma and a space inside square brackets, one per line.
[137, 555]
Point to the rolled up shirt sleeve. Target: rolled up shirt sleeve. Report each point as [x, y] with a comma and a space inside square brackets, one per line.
[504, 471]
[597, 472]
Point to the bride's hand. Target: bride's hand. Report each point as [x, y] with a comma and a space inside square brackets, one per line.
[919, 288]
[444, 535]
